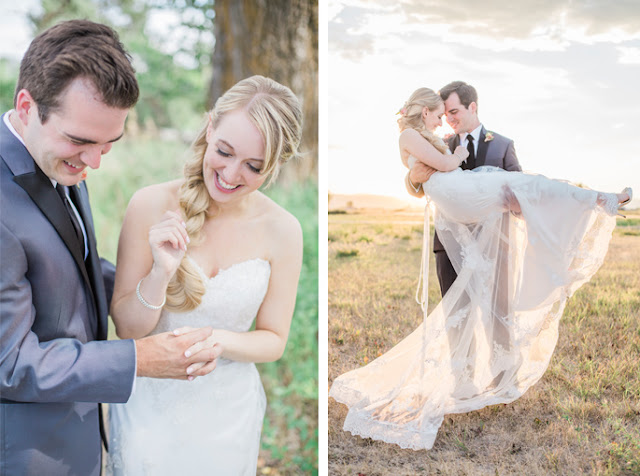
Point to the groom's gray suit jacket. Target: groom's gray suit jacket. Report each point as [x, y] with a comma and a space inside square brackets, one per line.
[498, 152]
[54, 365]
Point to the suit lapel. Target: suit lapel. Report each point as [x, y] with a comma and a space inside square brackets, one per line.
[33, 180]
[37, 185]
[482, 148]
[39, 188]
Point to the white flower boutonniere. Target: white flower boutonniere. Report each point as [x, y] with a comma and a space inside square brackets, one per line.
[488, 137]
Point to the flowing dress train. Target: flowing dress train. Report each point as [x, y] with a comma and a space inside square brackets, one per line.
[492, 335]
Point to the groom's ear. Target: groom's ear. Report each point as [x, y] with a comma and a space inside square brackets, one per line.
[25, 106]
[473, 107]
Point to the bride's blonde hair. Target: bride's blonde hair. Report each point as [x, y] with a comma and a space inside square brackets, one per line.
[411, 115]
[276, 112]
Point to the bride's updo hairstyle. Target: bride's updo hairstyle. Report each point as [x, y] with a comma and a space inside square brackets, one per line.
[276, 113]
[411, 115]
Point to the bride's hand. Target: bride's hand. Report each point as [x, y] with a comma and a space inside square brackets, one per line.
[461, 152]
[168, 240]
[210, 342]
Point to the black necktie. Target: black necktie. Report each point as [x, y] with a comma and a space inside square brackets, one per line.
[72, 215]
[471, 160]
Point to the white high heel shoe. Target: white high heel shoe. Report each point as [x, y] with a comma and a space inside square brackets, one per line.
[628, 191]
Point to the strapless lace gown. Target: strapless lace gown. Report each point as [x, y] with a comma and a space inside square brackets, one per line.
[212, 425]
[492, 335]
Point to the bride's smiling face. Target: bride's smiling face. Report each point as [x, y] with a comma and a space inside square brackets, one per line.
[234, 158]
[433, 119]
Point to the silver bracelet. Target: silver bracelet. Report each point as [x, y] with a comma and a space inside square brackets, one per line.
[145, 303]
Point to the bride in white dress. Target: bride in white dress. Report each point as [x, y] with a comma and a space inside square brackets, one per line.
[492, 335]
[235, 259]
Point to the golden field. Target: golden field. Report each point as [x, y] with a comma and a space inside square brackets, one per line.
[583, 417]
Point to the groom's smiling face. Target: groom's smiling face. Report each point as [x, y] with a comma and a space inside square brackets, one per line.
[460, 118]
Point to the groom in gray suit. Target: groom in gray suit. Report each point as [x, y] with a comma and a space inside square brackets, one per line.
[485, 148]
[75, 88]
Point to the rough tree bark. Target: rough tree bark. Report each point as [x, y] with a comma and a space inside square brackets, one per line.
[278, 39]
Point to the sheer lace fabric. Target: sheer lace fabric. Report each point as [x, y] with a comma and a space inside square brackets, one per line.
[211, 425]
[492, 335]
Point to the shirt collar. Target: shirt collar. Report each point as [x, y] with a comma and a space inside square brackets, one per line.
[7, 122]
[474, 133]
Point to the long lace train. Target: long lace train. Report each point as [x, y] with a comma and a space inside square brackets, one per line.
[492, 335]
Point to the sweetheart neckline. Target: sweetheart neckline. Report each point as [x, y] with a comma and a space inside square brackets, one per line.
[223, 270]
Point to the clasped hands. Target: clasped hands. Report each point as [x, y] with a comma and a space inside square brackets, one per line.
[183, 354]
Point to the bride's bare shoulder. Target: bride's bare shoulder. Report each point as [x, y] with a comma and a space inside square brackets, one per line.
[156, 198]
[409, 134]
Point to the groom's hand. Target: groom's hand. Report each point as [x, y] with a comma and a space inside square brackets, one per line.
[420, 173]
[510, 201]
[163, 355]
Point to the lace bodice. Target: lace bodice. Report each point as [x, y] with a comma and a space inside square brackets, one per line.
[231, 301]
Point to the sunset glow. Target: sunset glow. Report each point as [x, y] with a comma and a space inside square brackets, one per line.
[559, 78]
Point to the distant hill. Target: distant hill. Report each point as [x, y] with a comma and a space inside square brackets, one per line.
[361, 201]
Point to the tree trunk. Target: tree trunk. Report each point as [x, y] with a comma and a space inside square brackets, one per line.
[277, 39]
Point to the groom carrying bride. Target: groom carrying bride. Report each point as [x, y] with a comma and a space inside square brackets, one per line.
[485, 148]
[75, 89]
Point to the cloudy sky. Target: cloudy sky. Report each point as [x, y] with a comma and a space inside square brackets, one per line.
[15, 34]
[560, 77]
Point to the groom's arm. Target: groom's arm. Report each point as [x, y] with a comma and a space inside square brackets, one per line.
[62, 368]
[511, 159]
[109, 278]
[418, 175]
[413, 189]
[48, 367]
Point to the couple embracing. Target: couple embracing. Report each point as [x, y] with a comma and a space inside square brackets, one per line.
[510, 248]
[200, 259]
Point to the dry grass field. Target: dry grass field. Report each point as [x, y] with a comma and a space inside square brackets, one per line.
[582, 417]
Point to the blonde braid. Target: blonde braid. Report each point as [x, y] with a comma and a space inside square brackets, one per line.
[186, 288]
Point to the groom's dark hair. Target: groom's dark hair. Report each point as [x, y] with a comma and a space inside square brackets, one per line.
[465, 92]
[77, 49]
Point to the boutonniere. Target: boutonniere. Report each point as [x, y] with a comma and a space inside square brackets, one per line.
[488, 137]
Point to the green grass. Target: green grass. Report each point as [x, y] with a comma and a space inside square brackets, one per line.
[290, 432]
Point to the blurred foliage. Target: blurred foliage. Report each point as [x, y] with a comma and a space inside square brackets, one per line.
[291, 426]
[8, 78]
